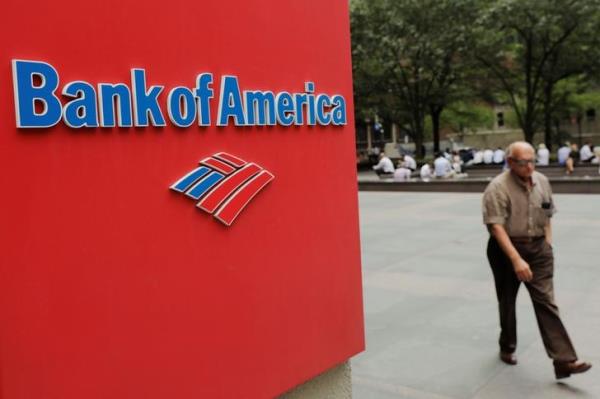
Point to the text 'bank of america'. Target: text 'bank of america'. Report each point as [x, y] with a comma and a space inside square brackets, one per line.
[37, 104]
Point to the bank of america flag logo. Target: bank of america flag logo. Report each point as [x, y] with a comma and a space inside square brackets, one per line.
[223, 185]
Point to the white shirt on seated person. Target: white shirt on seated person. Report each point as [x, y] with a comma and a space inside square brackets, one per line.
[585, 153]
[478, 157]
[425, 172]
[402, 174]
[488, 157]
[410, 163]
[385, 165]
[499, 156]
[563, 154]
[442, 167]
[543, 155]
[596, 160]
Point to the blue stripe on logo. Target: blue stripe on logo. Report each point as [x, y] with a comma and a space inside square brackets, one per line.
[186, 182]
[204, 185]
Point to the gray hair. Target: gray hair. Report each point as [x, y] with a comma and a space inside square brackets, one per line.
[511, 147]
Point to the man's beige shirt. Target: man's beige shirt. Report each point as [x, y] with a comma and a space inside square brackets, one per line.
[523, 210]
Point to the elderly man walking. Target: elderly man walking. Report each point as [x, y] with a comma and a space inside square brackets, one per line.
[517, 207]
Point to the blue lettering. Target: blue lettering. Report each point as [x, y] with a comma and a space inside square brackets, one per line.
[323, 115]
[309, 87]
[27, 94]
[80, 112]
[38, 105]
[339, 110]
[107, 95]
[230, 102]
[182, 114]
[145, 102]
[204, 93]
[301, 99]
[285, 108]
[261, 103]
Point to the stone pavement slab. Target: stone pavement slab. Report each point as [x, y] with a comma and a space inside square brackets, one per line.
[430, 307]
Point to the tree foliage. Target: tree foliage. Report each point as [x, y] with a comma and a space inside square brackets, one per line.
[529, 46]
[409, 59]
[414, 58]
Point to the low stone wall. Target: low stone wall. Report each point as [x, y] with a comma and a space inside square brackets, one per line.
[335, 383]
[491, 139]
[560, 185]
[503, 137]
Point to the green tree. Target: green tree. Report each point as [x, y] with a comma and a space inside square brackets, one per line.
[529, 46]
[410, 57]
[461, 116]
[576, 106]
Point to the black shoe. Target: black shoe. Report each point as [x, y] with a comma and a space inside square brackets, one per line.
[565, 369]
[508, 358]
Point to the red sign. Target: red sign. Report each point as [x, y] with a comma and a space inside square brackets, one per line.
[113, 284]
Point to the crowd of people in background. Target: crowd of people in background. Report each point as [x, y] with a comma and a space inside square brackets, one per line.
[449, 164]
[569, 154]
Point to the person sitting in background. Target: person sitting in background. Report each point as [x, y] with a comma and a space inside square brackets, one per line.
[456, 162]
[570, 163]
[596, 150]
[466, 155]
[488, 156]
[409, 162]
[563, 153]
[499, 156]
[385, 167]
[543, 155]
[447, 154]
[442, 166]
[426, 172]
[586, 154]
[478, 157]
[402, 173]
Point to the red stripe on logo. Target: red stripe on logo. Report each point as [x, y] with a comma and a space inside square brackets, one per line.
[238, 201]
[228, 186]
[218, 165]
[235, 161]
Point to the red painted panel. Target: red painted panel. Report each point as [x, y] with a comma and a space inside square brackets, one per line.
[212, 201]
[239, 200]
[218, 165]
[231, 159]
[114, 286]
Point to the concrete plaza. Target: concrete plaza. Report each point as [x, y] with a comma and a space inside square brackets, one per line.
[430, 307]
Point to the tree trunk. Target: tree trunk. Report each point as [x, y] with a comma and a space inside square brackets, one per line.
[579, 130]
[560, 137]
[436, 112]
[548, 89]
[419, 147]
[528, 132]
[418, 124]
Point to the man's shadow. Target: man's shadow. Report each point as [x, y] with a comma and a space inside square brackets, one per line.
[573, 391]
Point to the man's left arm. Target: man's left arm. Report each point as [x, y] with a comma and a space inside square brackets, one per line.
[548, 232]
[551, 212]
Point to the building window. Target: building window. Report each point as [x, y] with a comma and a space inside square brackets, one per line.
[590, 114]
[500, 119]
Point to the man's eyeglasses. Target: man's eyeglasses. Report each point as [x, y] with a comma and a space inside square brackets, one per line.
[523, 162]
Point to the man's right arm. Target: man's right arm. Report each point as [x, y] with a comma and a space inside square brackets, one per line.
[521, 267]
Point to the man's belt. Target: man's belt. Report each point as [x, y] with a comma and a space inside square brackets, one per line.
[526, 240]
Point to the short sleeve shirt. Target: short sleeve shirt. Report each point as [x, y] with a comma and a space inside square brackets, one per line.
[523, 210]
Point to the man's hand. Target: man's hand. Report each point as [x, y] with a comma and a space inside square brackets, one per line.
[521, 267]
[522, 270]
[548, 232]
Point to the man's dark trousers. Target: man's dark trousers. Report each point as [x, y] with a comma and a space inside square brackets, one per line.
[538, 254]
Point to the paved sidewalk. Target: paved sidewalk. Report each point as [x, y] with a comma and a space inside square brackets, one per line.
[430, 306]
